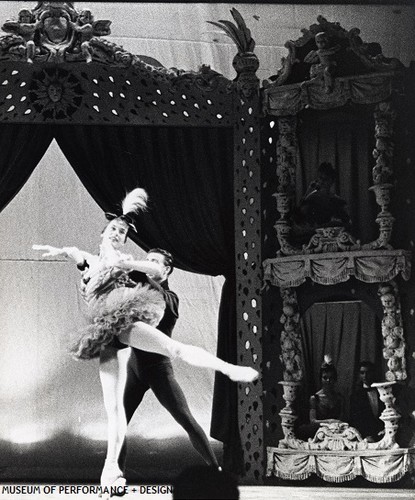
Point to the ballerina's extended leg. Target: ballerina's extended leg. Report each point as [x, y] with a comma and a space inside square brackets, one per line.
[147, 338]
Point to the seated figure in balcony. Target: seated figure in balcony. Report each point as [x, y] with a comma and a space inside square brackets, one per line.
[326, 406]
[320, 206]
[365, 405]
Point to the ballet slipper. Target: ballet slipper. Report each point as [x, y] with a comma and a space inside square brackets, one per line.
[115, 488]
[113, 481]
[242, 373]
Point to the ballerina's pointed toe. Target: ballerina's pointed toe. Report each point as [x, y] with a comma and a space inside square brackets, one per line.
[113, 487]
[243, 374]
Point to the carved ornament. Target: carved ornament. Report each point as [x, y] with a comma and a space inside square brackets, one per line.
[331, 239]
[52, 32]
[291, 354]
[392, 332]
[326, 51]
[55, 93]
[245, 61]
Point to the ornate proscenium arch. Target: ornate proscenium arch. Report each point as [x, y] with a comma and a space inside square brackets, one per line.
[56, 69]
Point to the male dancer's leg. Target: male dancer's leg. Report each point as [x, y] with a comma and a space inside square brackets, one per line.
[167, 390]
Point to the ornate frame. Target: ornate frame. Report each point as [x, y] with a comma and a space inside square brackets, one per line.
[332, 255]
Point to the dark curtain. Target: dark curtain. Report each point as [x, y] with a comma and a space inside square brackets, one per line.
[188, 174]
[22, 147]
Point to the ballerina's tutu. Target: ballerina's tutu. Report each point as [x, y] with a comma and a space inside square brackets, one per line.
[115, 312]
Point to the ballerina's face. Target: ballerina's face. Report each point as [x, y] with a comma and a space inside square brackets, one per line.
[115, 233]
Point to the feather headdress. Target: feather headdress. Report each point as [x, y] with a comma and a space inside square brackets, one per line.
[134, 202]
[327, 361]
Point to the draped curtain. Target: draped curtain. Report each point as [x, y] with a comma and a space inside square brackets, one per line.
[22, 146]
[188, 174]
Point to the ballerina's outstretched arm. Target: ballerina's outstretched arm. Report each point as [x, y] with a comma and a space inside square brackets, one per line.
[147, 338]
[78, 256]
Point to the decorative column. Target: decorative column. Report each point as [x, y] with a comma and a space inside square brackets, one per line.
[382, 172]
[291, 360]
[392, 332]
[288, 414]
[248, 240]
[287, 156]
[247, 186]
[389, 416]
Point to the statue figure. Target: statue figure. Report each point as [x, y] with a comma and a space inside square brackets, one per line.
[25, 27]
[84, 29]
[83, 32]
[55, 33]
[323, 60]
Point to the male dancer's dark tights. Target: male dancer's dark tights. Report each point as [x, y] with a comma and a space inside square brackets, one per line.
[161, 380]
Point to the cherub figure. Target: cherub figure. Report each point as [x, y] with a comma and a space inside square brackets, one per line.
[388, 300]
[84, 31]
[323, 60]
[26, 27]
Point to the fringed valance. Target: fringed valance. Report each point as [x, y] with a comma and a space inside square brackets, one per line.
[332, 268]
[384, 466]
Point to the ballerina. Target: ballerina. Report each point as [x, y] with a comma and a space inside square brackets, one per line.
[125, 312]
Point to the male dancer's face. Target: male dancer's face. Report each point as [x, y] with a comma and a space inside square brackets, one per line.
[159, 259]
[366, 375]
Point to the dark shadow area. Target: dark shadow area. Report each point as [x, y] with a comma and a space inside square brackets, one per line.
[70, 459]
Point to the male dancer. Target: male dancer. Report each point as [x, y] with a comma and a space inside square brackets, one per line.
[147, 370]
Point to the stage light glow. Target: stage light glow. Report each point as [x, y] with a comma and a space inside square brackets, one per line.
[96, 431]
[27, 434]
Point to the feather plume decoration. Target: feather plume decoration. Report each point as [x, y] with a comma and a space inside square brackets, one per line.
[327, 360]
[135, 201]
[239, 33]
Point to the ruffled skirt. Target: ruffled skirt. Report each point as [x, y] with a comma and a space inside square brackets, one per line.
[115, 313]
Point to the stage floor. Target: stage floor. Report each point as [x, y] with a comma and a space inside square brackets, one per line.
[246, 493]
[156, 462]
